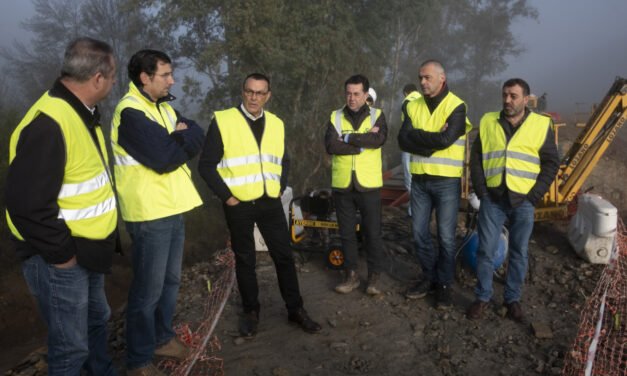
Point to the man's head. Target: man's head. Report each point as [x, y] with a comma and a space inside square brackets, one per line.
[151, 71]
[515, 97]
[409, 88]
[432, 78]
[255, 93]
[356, 91]
[90, 63]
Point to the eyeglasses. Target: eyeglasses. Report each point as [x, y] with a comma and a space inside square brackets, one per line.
[250, 93]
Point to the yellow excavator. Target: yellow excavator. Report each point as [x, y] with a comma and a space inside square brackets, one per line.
[594, 139]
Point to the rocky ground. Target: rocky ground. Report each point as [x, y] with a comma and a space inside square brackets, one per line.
[390, 335]
[387, 335]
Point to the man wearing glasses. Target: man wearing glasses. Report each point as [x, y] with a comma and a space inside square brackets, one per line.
[152, 143]
[244, 162]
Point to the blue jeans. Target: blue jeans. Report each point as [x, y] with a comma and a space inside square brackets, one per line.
[443, 195]
[157, 254]
[492, 216]
[74, 306]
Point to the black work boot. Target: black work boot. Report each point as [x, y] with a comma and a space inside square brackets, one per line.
[248, 324]
[443, 297]
[420, 289]
[302, 319]
[350, 283]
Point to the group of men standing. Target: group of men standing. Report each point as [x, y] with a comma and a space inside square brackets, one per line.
[63, 205]
[513, 162]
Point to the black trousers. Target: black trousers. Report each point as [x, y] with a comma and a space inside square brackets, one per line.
[369, 205]
[270, 218]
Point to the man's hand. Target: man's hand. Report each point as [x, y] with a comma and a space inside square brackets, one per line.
[232, 201]
[181, 126]
[444, 127]
[374, 129]
[66, 265]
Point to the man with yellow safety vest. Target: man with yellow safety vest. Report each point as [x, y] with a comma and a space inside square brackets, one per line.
[410, 92]
[434, 132]
[244, 162]
[354, 137]
[61, 209]
[513, 163]
[152, 143]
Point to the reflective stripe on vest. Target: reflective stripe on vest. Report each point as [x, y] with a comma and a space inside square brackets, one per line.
[448, 162]
[86, 199]
[367, 164]
[517, 159]
[143, 193]
[250, 170]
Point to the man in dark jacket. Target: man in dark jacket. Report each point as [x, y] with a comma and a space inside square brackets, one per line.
[513, 163]
[62, 209]
[354, 136]
[434, 132]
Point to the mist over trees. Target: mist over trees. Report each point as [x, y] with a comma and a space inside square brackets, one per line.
[307, 48]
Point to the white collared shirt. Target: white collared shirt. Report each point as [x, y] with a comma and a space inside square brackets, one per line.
[248, 114]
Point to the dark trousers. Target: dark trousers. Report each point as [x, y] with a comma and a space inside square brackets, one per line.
[369, 205]
[270, 218]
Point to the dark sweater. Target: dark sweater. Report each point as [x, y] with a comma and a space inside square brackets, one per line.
[425, 143]
[34, 180]
[356, 141]
[213, 151]
[549, 164]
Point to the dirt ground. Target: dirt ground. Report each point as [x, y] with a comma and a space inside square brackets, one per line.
[387, 335]
[391, 335]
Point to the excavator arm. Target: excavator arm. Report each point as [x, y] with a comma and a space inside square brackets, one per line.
[584, 154]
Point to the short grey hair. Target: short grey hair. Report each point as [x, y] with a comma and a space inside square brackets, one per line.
[85, 57]
[435, 63]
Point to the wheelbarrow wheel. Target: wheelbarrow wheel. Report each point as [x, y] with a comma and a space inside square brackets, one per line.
[335, 257]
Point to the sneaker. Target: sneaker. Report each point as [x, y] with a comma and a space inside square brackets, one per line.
[373, 280]
[443, 297]
[350, 283]
[476, 309]
[248, 324]
[149, 370]
[514, 311]
[174, 349]
[419, 290]
[302, 319]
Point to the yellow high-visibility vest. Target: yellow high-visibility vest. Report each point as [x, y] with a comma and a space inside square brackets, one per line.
[410, 97]
[86, 199]
[248, 169]
[519, 158]
[448, 162]
[367, 164]
[144, 194]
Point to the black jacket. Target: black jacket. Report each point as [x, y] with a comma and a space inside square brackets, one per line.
[33, 183]
[355, 142]
[421, 142]
[549, 164]
[213, 151]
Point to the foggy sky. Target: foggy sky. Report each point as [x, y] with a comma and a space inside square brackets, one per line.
[574, 50]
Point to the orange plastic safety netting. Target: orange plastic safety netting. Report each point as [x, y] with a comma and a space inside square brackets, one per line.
[203, 359]
[600, 347]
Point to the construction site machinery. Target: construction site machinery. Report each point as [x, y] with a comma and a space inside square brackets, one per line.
[582, 157]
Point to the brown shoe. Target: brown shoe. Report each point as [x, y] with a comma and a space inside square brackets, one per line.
[476, 309]
[173, 349]
[373, 280]
[149, 370]
[350, 283]
[514, 311]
